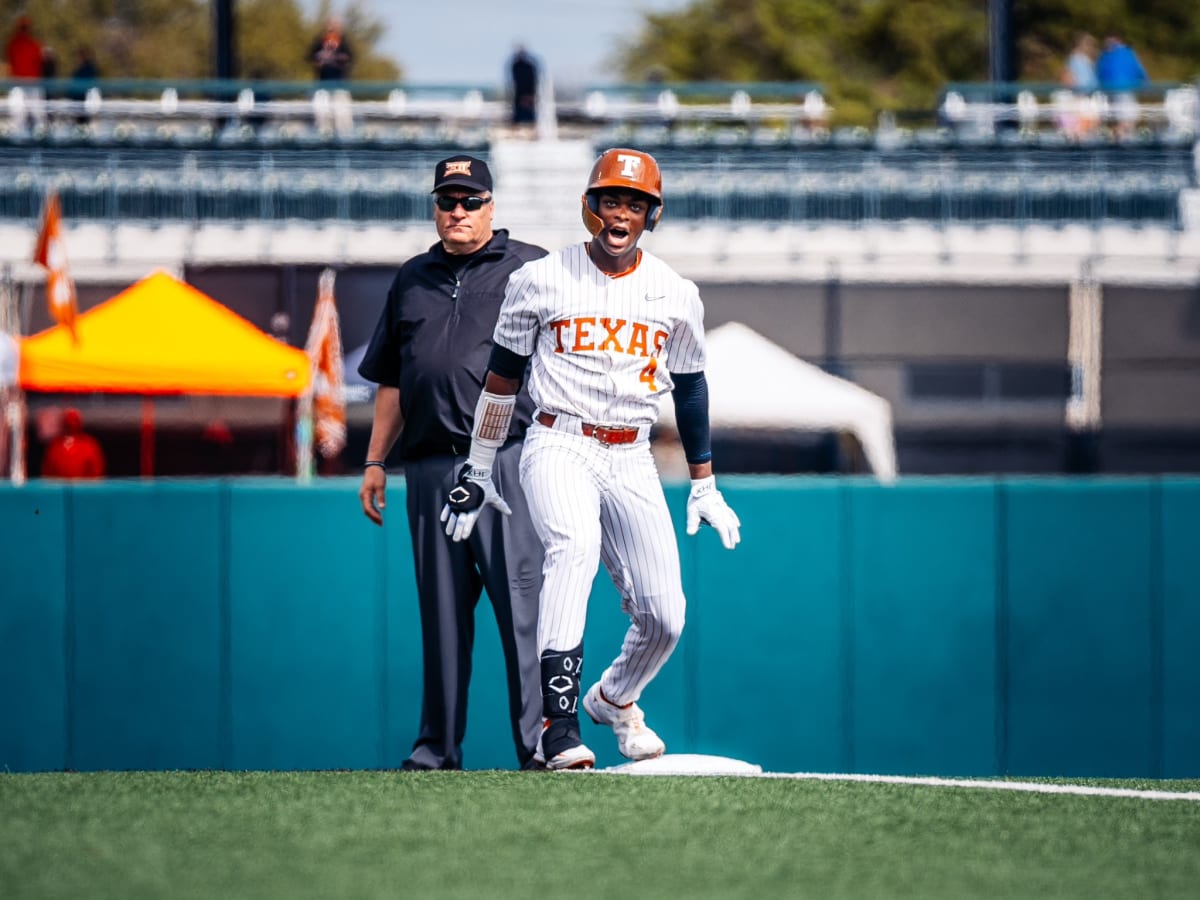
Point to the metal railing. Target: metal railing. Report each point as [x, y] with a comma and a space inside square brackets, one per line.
[1170, 108]
[393, 111]
[343, 108]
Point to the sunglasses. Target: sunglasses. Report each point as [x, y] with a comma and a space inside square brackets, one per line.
[470, 204]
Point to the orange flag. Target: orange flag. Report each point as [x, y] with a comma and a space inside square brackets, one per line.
[51, 253]
[324, 349]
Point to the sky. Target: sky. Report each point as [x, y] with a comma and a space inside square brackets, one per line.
[471, 41]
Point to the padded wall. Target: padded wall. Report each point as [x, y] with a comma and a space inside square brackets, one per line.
[938, 626]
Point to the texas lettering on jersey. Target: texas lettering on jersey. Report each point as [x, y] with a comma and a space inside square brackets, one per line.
[602, 334]
[586, 334]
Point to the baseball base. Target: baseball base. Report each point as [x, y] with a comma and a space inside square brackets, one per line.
[687, 764]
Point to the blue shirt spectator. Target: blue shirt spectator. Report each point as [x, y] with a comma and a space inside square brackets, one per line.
[1119, 68]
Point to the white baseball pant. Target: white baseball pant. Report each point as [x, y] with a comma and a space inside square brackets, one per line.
[592, 502]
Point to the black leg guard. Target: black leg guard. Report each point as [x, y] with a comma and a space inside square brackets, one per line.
[561, 671]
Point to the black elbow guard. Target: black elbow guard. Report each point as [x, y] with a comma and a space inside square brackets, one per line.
[507, 364]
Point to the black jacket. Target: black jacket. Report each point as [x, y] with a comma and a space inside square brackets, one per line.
[434, 339]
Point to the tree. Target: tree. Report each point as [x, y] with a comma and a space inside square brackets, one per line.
[876, 55]
[1165, 33]
[868, 55]
[173, 38]
[130, 38]
[274, 39]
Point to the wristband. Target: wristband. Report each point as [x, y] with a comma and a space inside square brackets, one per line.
[375, 462]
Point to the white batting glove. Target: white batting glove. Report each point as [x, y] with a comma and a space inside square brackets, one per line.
[706, 505]
[467, 500]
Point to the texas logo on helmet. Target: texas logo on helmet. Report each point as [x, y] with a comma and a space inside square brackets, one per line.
[630, 164]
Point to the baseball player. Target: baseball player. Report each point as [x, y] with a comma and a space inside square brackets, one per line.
[610, 328]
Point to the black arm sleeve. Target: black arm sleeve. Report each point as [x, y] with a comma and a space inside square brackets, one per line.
[507, 364]
[691, 416]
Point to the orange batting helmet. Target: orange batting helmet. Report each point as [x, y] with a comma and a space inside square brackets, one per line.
[631, 170]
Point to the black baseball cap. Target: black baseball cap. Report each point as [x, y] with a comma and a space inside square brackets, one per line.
[462, 171]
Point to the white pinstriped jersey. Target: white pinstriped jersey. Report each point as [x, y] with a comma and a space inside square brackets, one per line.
[602, 346]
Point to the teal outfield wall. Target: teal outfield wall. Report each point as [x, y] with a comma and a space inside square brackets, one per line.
[948, 626]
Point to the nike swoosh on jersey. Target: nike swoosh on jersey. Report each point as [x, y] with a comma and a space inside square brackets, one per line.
[651, 297]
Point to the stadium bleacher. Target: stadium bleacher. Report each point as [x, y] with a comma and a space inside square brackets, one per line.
[952, 183]
[794, 184]
[197, 153]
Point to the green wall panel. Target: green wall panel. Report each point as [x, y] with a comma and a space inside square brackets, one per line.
[950, 626]
[1181, 630]
[1080, 604]
[768, 667]
[34, 572]
[145, 683]
[924, 625]
[307, 637]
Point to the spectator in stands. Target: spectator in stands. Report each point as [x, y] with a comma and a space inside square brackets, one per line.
[1119, 68]
[524, 73]
[1077, 108]
[1080, 72]
[50, 73]
[330, 54]
[73, 453]
[86, 69]
[1121, 74]
[84, 73]
[24, 53]
[49, 63]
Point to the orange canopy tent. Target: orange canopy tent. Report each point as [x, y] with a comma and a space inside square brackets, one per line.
[161, 336]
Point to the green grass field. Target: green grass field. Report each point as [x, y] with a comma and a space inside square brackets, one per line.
[577, 835]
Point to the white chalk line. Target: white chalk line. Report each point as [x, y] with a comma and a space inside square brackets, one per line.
[699, 764]
[1082, 790]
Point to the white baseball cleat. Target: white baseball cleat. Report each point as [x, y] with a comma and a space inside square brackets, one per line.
[569, 751]
[635, 739]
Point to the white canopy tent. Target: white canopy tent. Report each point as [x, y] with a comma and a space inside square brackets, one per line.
[754, 383]
[358, 389]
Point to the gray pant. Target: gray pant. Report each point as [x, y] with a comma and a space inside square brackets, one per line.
[502, 556]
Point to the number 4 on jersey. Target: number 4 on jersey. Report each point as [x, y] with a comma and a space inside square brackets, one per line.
[647, 376]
